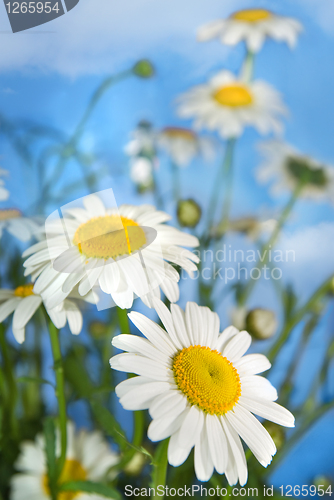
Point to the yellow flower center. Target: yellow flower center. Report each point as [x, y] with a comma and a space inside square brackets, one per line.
[102, 237]
[233, 96]
[24, 290]
[251, 15]
[208, 379]
[10, 213]
[179, 133]
[72, 471]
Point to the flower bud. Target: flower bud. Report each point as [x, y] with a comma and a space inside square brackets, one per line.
[143, 69]
[261, 323]
[277, 433]
[98, 329]
[188, 213]
[322, 481]
[134, 467]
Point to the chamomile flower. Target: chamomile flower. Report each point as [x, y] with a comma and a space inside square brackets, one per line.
[252, 26]
[123, 252]
[141, 172]
[228, 104]
[23, 228]
[23, 302]
[200, 388]
[287, 169]
[88, 459]
[183, 145]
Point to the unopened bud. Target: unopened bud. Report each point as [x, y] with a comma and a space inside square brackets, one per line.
[188, 213]
[277, 433]
[331, 288]
[323, 482]
[134, 467]
[261, 323]
[98, 329]
[143, 69]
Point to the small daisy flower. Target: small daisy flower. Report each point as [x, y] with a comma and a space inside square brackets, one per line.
[23, 302]
[287, 168]
[228, 105]
[201, 390]
[141, 172]
[23, 228]
[88, 459]
[142, 142]
[4, 193]
[183, 145]
[122, 251]
[252, 227]
[252, 26]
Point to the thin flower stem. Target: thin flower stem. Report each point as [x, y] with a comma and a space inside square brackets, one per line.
[272, 240]
[218, 185]
[176, 182]
[159, 471]
[60, 393]
[297, 317]
[247, 69]
[123, 320]
[9, 378]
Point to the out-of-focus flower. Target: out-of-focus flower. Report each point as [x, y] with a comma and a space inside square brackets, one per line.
[287, 168]
[141, 172]
[23, 228]
[261, 323]
[143, 68]
[228, 105]
[200, 390]
[4, 193]
[322, 481]
[142, 142]
[88, 459]
[104, 251]
[250, 226]
[188, 213]
[252, 26]
[23, 302]
[183, 145]
[98, 329]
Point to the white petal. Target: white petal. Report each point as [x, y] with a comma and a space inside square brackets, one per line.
[8, 307]
[202, 460]
[153, 332]
[133, 343]
[191, 427]
[269, 410]
[162, 428]
[170, 401]
[74, 317]
[217, 443]
[251, 364]
[140, 365]
[25, 310]
[256, 386]
[237, 450]
[237, 346]
[94, 205]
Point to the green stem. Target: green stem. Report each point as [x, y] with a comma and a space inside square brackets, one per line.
[176, 182]
[123, 320]
[247, 69]
[272, 240]
[60, 393]
[297, 317]
[222, 172]
[9, 377]
[159, 471]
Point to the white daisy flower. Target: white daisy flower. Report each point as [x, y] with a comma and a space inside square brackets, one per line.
[183, 145]
[88, 459]
[200, 390]
[141, 171]
[23, 228]
[228, 104]
[122, 251]
[142, 142]
[23, 302]
[287, 168]
[252, 26]
[4, 193]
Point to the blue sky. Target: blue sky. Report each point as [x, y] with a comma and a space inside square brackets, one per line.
[48, 74]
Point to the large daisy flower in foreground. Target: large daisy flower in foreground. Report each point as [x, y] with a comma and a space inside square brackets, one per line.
[228, 105]
[23, 302]
[252, 26]
[287, 168]
[88, 459]
[200, 390]
[23, 228]
[123, 251]
[183, 145]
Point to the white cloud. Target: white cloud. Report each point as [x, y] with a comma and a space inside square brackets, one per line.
[98, 36]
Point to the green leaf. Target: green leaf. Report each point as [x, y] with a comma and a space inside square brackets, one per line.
[50, 452]
[77, 376]
[91, 487]
[33, 380]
